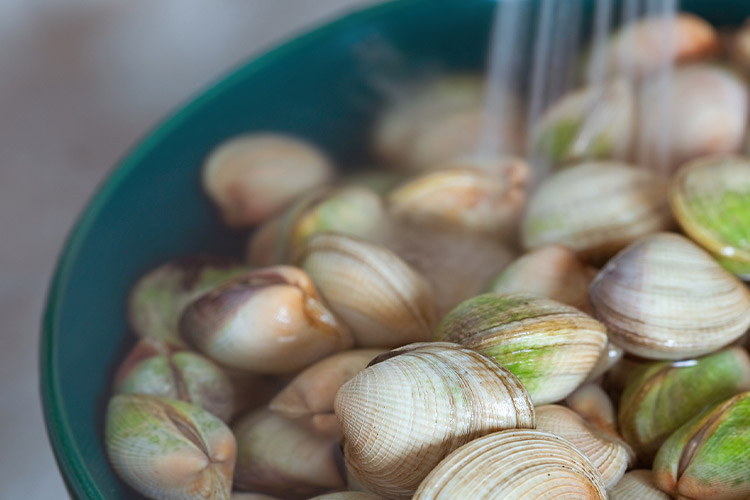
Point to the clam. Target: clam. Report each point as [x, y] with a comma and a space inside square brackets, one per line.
[168, 449]
[311, 393]
[637, 485]
[662, 396]
[706, 109]
[378, 180]
[593, 404]
[156, 368]
[709, 456]
[251, 496]
[267, 321]
[649, 44]
[609, 454]
[252, 177]
[277, 456]
[483, 196]
[609, 358]
[414, 405]
[710, 199]
[520, 464]
[354, 211]
[596, 209]
[590, 123]
[383, 300]
[739, 47]
[159, 297]
[348, 495]
[456, 264]
[664, 297]
[552, 271]
[549, 346]
[442, 120]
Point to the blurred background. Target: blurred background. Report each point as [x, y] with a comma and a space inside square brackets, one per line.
[82, 81]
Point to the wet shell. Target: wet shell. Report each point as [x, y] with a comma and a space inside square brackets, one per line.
[710, 199]
[168, 449]
[485, 197]
[665, 298]
[414, 405]
[549, 346]
[596, 209]
[518, 464]
[270, 321]
[551, 271]
[709, 456]
[383, 300]
[348, 495]
[275, 455]
[252, 177]
[610, 455]
[637, 485]
[593, 404]
[662, 396]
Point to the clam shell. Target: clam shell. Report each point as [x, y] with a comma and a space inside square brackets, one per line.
[549, 346]
[414, 405]
[277, 456]
[592, 403]
[482, 196]
[348, 495]
[609, 358]
[383, 300]
[155, 368]
[552, 271]
[709, 456]
[252, 177]
[609, 454]
[167, 449]
[596, 209]
[645, 46]
[665, 298]
[637, 485]
[270, 321]
[662, 396]
[519, 464]
[710, 199]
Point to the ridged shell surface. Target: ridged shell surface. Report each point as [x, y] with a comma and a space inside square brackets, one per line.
[637, 485]
[383, 300]
[415, 405]
[610, 455]
[517, 464]
[664, 297]
[596, 209]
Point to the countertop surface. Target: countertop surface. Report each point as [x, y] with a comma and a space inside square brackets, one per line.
[82, 80]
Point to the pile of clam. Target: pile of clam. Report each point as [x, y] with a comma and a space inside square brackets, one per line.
[451, 327]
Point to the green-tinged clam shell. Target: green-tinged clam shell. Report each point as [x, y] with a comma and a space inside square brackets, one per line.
[276, 455]
[596, 209]
[160, 296]
[168, 449]
[549, 346]
[412, 406]
[591, 123]
[710, 198]
[354, 211]
[709, 456]
[664, 395]
[156, 368]
[269, 321]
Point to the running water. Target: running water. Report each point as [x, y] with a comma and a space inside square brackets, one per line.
[537, 50]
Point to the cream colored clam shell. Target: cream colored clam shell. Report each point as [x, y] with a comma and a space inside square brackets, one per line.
[406, 412]
[348, 495]
[596, 209]
[593, 404]
[383, 300]
[518, 464]
[637, 485]
[665, 298]
[607, 453]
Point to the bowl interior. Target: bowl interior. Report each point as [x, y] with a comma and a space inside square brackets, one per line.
[325, 86]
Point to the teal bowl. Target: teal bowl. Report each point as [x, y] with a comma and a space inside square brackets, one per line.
[325, 86]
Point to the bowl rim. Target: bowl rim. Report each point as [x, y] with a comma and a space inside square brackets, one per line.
[67, 453]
